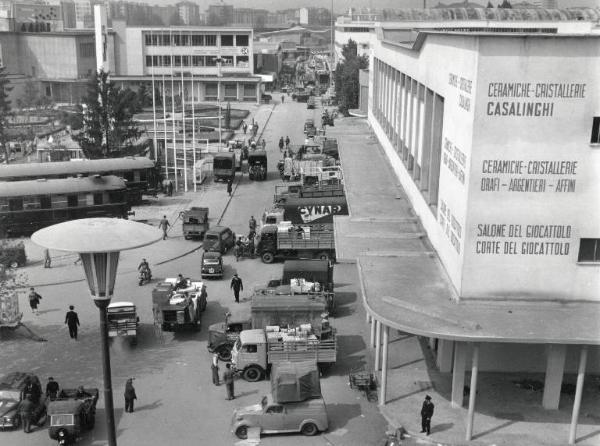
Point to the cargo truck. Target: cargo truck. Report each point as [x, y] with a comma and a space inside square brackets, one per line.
[178, 308]
[287, 241]
[257, 350]
[267, 309]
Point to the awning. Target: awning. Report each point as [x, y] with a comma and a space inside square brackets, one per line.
[267, 77]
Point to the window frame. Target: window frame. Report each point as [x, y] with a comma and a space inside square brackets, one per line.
[595, 257]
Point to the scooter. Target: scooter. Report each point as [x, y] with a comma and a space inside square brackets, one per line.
[395, 437]
[145, 276]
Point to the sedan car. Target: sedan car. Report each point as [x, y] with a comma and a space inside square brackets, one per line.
[12, 391]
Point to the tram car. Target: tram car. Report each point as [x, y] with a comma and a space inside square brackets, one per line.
[26, 206]
[138, 172]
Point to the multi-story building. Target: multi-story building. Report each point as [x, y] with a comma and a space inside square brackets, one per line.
[220, 14]
[189, 12]
[83, 14]
[494, 139]
[360, 31]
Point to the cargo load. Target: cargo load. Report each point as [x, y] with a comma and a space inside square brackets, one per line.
[295, 381]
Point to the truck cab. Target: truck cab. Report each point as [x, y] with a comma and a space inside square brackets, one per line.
[195, 222]
[122, 320]
[222, 335]
[182, 308]
[224, 166]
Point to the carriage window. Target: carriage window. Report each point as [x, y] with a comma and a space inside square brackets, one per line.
[72, 201]
[15, 204]
[45, 202]
[98, 198]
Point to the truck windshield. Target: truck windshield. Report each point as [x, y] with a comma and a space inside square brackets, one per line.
[211, 261]
[211, 237]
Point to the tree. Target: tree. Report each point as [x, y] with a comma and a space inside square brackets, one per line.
[109, 130]
[143, 97]
[5, 111]
[347, 87]
[489, 5]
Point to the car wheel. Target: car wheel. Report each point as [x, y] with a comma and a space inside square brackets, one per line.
[268, 257]
[309, 429]
[242, 432]
[14, 264]
[252, 374]
[224, 353]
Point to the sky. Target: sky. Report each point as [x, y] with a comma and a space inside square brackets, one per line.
[340, 6]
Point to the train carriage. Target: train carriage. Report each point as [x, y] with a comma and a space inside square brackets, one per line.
[26, 206]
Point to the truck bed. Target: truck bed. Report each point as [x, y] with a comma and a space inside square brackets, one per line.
[315, 240]
[321, 351]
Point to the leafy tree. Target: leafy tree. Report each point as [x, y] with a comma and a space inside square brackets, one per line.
[30, 95]
[143, 97]
[505, 4]
[347, 87]
[108, 127]
[5, 111]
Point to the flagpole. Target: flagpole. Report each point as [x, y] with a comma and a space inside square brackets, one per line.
[183, 121]
[164, 94]
[193, 123]
[173, 108]
[154, 105]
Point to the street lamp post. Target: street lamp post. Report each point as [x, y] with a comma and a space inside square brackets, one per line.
[98, 241]
[219, 61]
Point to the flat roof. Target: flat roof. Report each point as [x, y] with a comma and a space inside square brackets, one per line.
[60, 186]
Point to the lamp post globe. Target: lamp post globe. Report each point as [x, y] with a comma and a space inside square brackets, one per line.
[98, 241]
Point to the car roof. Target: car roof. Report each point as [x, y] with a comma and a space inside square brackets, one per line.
[64, 406]
[15, 380]
[121, 304]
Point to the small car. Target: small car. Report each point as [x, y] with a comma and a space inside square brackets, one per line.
[218, 239]
[12, 392]
[72, 413]
[212, 265]
[308, 417]
[311, 103]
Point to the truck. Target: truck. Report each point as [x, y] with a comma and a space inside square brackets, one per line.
[238, 147]
[72, 413]
[267, 308]
[122, 320]
[175, 309]
[195, 222]
[303, 204]
[224, 166]
[256, 350]
[288, 241]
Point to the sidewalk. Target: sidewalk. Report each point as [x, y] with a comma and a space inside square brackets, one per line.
[382, 227]
[151, 212]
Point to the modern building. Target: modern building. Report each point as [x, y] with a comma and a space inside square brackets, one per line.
[189, 12]
[360, 31]
[494, 139]
[220, 14]
[84, 17]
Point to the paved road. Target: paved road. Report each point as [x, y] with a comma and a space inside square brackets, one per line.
[177, 402]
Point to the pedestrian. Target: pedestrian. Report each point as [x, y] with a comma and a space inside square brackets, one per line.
[237, 286]
[215, 369]
[164, 225]
[51, 389]
[252, 224]
[229, 186]
[287, 142]
[170, 188]
[244, 127]
[72, 321]
[129, 395]
[281, 144]
[282, 98]
[228, 378]
[263, 144]
[34, 300]
[426, 414]
[25, 409]
[47, 259]
[33, 389]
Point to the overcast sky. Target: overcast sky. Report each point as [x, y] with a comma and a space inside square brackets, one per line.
[340, 6]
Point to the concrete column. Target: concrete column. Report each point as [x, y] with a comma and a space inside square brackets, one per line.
[377, 345]
[578, 393]
[472, 392]
[384, 366]
[555, 366]
[372, 338]
[458, 373]
[443, 358]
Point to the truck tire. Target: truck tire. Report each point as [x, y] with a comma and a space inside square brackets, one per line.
[242, 432]
[14, 264]
[309, 429]
[224, 353]
[252, 374]
[267, 257]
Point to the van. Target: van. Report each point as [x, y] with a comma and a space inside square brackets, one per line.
[224, 165]
[218, 239]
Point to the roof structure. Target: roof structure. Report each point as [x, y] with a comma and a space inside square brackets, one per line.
[61, 186]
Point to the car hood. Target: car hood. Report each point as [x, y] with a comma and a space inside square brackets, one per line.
[7, 406]
[248, 410]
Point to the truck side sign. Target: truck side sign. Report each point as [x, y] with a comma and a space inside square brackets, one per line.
[312, 213]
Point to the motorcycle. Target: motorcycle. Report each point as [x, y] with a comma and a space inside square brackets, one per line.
[145, 276]
[394, 438]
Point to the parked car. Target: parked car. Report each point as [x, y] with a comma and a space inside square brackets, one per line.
[265, 98]
[311, 103]
[308, 417]
[212, 264]
[12, 392]
[218, 239]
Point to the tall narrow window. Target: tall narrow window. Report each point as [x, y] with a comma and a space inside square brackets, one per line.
[595, 130]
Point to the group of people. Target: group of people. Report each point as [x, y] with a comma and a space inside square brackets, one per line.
[253, 127]
[228, 376]
[71, 317]
[284, 143]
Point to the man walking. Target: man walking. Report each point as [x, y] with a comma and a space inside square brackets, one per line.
[252, 227]
[215, 369]
[47, 258]
[130, 395]
[228, 378]
[236, 286]
[229, 186]
[426, 414]
[72, 321]
[164, 225]
[287, 142]
[34, 300]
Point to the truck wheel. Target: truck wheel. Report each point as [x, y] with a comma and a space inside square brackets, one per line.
[309, 429]
[242, 432]
[224, 353]
[323, 256]
[268, 257]
[252, 374]
[14, 264]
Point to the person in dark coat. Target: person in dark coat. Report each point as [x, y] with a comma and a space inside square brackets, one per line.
[215, 369]
[426, 414]
[72, 321]
[52, 389]
[236, 286]
[229, 186]
[129, 395]
[34, 300]
[25, 410]
[228, 378]
[164, 225]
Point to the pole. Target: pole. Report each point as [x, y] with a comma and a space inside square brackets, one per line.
[154, 106]
[219, 60]
[193, 128]
[185, 179]
[472, 392]
[164, 101]
[108, 396]
[332, 41]
[578, 394]
[173, 110]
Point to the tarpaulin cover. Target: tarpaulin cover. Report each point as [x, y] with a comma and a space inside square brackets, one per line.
[295, 381]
